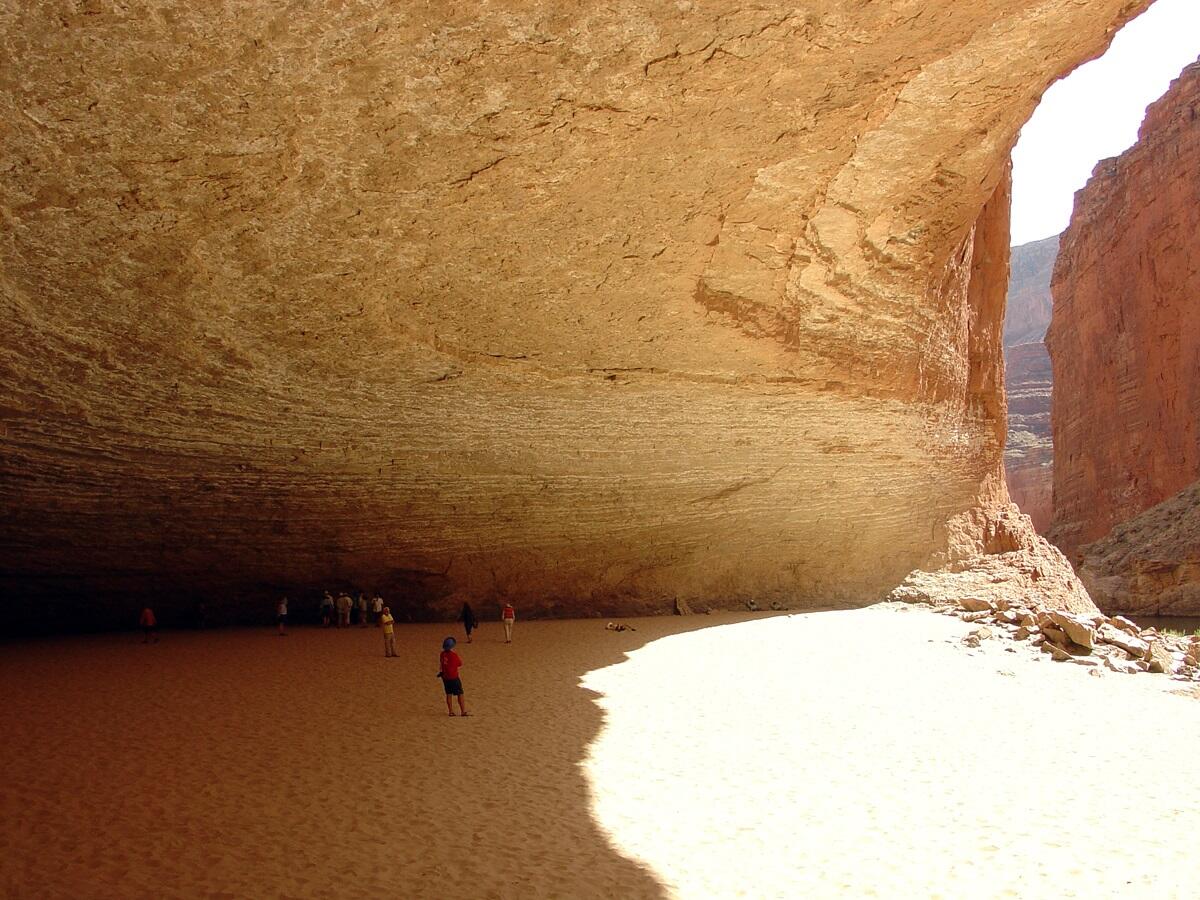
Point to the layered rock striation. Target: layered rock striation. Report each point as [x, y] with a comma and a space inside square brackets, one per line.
[1125, 335]
[592, 306]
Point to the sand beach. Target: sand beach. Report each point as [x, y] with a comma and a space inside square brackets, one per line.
[848, 753]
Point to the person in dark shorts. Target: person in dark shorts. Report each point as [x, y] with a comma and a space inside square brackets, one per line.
[149, 624]
[281, 614]
[448, 665]
[467, 617]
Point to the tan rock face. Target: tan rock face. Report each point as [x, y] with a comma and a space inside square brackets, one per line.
[591, 305]
[1125, 340]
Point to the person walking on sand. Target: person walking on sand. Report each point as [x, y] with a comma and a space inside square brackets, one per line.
[326, 610]
[467, 617]
[343, 609]
[448, 665]
[508, 615]
[376, 608]
[281, 616]
[149, 625]
[387, 623]
[362, 610]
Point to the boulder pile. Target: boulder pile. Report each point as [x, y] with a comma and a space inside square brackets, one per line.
[1095, 640]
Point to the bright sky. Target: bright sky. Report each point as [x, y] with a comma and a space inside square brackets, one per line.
[1094, 113]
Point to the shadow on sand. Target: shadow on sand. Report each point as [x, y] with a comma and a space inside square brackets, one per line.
[239, 763]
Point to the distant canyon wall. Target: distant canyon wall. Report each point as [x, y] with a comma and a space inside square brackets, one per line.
[1029, 452]
[587, 305]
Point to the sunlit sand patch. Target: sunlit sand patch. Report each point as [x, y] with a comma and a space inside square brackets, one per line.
[863, 753]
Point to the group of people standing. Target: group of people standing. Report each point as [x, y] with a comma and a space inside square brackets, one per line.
[344, 607]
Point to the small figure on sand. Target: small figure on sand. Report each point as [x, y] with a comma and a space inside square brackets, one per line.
[448, 665]
[508, 615]
[149, 625]
[326, 610]
[619, 626]
[467, 617]
[362, 610]
[376, 608]
[387, 623]
[281, 613]
[343, 609]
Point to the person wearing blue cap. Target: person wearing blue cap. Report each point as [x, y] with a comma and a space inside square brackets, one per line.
[448, 666]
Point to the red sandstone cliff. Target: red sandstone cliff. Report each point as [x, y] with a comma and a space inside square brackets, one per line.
[1125, 335]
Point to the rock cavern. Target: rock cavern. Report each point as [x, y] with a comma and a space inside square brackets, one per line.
[598, 306]
[1125, 337]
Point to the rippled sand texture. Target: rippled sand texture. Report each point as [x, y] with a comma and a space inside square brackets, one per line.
[859, 754]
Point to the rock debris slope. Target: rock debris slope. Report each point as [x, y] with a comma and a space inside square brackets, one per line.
[1125, 336]
[1150, 565]
[591, 305]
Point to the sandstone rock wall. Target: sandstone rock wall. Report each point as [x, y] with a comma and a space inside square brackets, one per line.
[1125, 337]
[589, 305]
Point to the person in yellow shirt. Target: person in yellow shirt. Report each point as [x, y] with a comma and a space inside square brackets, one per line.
[386, 622]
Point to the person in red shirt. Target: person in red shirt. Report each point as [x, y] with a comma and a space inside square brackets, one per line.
[508, 615]
[149, 625]
[448, 666]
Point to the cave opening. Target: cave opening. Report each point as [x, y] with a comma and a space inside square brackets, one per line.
[1083, 121]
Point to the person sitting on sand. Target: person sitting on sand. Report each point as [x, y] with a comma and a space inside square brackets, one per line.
[326, 610]
[508, 615]
[467, 617]
[448, 665]
[149, 625]
[281, 616]
[387, 623]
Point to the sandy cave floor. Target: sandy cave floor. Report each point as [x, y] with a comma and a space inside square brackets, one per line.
[849, 753]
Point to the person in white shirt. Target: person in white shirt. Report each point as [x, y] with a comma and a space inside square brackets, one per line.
[362, 610]
[377, 607]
